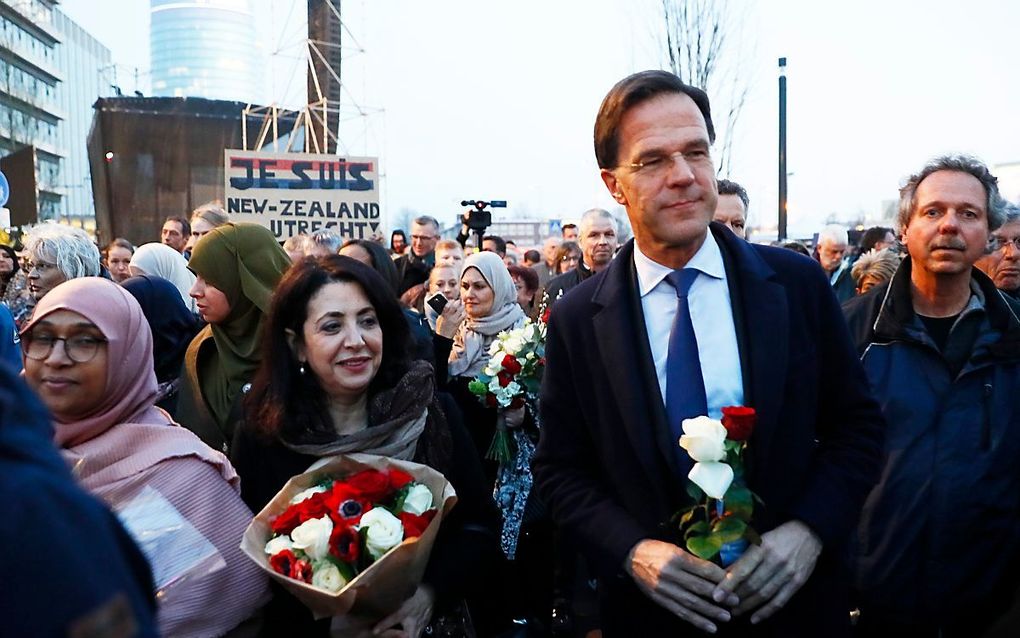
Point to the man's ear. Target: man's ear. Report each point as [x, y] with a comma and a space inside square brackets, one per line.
[613, 184]
[295, 345]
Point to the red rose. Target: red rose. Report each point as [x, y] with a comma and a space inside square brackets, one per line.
[345, 543]
[370, 485]
[281, 561]
[545, 315]
[511, 364]
[541, 361]
[399, 478]
[517, 402]
[314, 507]
[301, 570]
[739, 422]
[490, 401]
[414, 525]
[504, 378]
[287, 521]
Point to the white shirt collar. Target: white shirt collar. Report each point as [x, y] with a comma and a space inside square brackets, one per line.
[708, 260]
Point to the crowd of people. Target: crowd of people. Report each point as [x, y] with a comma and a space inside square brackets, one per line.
[187, 379]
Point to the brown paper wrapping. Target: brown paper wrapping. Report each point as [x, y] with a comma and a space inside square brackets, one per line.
[389, 581]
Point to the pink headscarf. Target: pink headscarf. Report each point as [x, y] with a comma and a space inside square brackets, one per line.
[130, 375]
[147, 434]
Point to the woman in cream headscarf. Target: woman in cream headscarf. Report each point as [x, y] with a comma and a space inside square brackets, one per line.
[160, 260]
[237, 267]
[490, 307]
[88, 354]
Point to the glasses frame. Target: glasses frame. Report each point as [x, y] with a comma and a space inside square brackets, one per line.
[29, 339]
[994, 243]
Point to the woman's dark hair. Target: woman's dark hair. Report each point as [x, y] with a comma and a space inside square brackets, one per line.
[525, 274]
[13, 255]
[394, 234]
[381, 261]
[285, 403]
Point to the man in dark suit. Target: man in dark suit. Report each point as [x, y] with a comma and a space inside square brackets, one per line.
[769, 335]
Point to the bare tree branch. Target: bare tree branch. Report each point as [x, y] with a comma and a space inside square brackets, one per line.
[703, 49]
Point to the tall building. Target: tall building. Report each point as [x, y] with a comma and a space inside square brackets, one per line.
[80, 59]
[205, 48]
[30, 112]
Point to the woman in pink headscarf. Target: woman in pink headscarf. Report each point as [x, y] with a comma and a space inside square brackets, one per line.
[88, 353]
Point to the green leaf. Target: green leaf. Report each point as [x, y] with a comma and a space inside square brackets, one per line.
[694, 491]
[685, 519]
[728, 529]
[739, 502]
[704, 547]
[697, 529]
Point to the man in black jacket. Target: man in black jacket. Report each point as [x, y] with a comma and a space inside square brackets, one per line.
[598, 245]
[937, 548]
[608, 464]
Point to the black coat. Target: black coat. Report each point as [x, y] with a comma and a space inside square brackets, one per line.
[605, 462]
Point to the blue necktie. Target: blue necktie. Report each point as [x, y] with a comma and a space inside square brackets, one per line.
[685, 386]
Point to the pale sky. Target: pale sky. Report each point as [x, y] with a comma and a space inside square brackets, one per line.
[491, 100]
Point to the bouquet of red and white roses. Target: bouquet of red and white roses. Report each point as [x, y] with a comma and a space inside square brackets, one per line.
[512, 377]
[355, 527]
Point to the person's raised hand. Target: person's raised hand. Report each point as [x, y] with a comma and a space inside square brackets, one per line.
[768, 575]
[680, 582]
[450, 319]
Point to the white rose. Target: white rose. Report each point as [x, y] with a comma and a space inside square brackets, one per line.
[703, 439]
[494, 386]
[278, 544]
[515, 343]
[306, 494]
[512, 389]
[312, 537]
[712, 477]
[419, 499]
[385, 531]
[529, 356]
[325, 575]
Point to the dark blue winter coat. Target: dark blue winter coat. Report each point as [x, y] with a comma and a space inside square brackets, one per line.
[940, 533]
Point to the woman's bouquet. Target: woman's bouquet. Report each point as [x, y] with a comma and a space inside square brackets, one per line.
[352, 528]
[512, 377]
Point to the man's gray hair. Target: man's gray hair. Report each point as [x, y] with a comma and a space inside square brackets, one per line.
[1010, 212]
[833, 233]
[593, 214]
[962, 164]
[729, 187]
[881, 263]
[327, 239]
[425, 220]
[70, 248]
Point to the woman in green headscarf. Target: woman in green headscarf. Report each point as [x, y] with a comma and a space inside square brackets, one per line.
[237, 267]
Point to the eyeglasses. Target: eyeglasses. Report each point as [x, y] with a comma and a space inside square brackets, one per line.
[41, 266]
[571, 258]
[659, 164]
[998, 243]
[79, 348]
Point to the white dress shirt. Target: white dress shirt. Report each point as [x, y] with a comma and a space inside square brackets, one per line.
[711, 314]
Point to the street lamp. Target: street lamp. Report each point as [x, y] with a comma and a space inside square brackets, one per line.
[782, 149]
